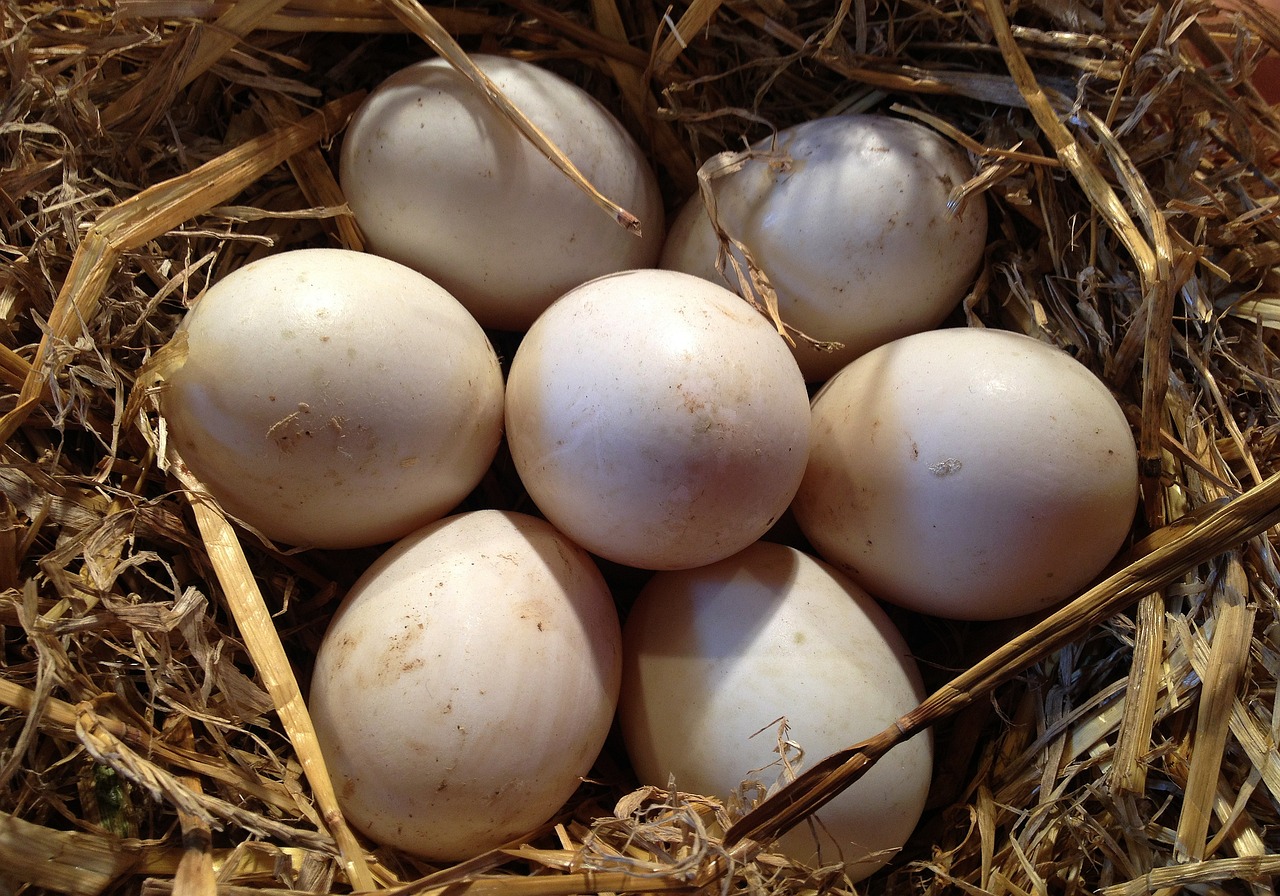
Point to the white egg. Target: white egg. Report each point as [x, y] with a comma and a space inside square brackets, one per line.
[657, 419]
[969, 474]
[441, 180]
[853, 231]
[330, 398]
[715, 657]
[466, 684]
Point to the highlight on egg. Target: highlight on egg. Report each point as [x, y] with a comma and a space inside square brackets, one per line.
[331, 398]
[717, 659]
[439, 179]
[466, 684]
[851, 219]
[657, 419]
[969, 474]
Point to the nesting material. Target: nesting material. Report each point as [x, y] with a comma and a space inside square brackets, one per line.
[154, 735]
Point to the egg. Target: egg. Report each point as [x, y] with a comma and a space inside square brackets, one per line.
[848, 217]
[715, 658]
[330, 398]
[466, 684]
[657, 419]
[969, 474]
[439, 179]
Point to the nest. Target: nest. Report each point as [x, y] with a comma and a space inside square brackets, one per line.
[153, 733]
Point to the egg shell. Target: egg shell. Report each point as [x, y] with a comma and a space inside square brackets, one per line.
[332, 398]
[441, 180]
[466, 683]
[715, 657]
[849, 219]
[657, 419]
[969, 474]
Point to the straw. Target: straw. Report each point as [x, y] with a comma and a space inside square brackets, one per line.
[152, 682]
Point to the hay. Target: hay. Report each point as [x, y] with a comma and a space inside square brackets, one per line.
[153, 733]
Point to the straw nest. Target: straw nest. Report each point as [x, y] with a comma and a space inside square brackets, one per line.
[153, 734]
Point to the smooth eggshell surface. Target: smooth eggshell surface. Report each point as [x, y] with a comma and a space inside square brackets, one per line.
[969, 474]
[849, 219]
[715, 657]
[466, 684]
[441, 180]
[332, 398]
[657, 419]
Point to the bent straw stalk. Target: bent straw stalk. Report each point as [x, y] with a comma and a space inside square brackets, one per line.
[418, 20]
[1154, 267]
[1242, 519]
[149, 215]
[260, 637]
[212, 44]
[1229, 654]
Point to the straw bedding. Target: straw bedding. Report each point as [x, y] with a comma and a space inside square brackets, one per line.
[153, 734]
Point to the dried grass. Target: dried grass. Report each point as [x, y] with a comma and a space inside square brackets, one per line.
[153, 733]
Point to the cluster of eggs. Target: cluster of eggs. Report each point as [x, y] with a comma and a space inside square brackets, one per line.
[469, 679]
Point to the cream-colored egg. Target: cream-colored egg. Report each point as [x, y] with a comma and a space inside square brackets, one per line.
[657, 419]
[969, 473]
[441, 180]
[466, 684]
[849, 219]
[331, 398]
[715, 657]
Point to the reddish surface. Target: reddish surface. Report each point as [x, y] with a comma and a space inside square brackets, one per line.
[1266, 78]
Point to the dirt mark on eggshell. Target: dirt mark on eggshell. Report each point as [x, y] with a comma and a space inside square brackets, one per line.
[946, 467]
[291, 429]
